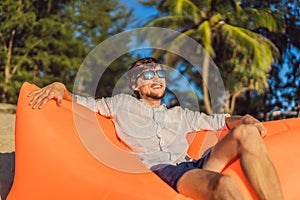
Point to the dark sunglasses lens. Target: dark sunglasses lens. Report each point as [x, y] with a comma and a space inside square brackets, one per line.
[161, 73]
[148, 75]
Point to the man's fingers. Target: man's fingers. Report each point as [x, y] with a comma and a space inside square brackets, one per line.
[248, 119]
[262, 130]
[35, 100]
[45, 100]
[59, 100]
[39, 102]
[34, 92]
[37, 94]
[42, 96]
[47, 96]
[41, 99]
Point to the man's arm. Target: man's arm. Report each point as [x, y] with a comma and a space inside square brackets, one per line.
[236, 120]
[56, 90]
[233, 121]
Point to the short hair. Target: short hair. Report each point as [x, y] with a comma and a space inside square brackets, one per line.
[144, 61]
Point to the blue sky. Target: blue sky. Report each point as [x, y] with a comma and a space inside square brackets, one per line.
[140, 13]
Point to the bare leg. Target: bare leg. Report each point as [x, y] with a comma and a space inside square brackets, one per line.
[245, 142]
[203, 184]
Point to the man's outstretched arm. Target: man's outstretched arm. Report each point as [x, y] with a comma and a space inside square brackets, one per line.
[56, 90]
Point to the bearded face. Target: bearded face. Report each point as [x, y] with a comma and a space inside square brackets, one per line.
[151, 83]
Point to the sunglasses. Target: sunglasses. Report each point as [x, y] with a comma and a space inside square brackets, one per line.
[148, 75]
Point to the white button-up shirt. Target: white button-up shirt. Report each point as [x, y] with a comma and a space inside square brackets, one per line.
[156, 135]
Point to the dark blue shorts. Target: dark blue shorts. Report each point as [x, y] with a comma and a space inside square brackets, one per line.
[172, 173]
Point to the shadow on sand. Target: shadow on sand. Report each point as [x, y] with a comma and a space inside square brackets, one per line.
[7, 170]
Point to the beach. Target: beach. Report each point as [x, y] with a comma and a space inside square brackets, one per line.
[7, 148]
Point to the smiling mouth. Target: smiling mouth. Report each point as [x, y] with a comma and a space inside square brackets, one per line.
[156, 86]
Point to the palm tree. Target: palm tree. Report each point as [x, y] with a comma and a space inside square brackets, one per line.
[229, 33]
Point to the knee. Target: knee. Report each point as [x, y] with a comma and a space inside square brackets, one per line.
[247, 136]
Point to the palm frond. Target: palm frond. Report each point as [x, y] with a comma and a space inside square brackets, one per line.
[253, 54]
[204, 31]
[253, 18]
[183, 8]
[180, 44]
[204, 5]
[172, 22]
[223, 6]
[266, 18]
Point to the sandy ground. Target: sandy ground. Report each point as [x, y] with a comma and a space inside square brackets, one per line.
[7, 148]
[7, 127]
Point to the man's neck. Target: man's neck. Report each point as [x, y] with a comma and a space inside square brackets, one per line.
[152, 102]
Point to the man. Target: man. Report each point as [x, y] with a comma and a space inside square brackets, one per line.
[157, 136]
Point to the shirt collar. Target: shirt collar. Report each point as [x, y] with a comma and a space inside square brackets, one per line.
[161, 106]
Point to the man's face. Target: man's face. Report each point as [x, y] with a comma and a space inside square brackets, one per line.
[149, 87]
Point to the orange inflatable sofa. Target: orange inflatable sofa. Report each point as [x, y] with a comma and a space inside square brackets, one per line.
[53, 160]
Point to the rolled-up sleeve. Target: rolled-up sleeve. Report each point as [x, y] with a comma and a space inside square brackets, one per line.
[200, 121]
[102, 106]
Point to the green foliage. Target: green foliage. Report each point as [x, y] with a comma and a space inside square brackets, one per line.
[284, 90]
[44, 40]
[253, 56]
[229, 33]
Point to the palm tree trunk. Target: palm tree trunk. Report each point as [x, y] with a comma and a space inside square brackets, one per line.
[237, 94]
[7, 74]
[206, 98]
[227, 102]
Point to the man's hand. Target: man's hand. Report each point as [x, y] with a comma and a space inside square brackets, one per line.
[55, 91]
[234, 121]
[248, 119]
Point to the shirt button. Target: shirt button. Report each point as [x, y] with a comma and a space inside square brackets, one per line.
[158, 135]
